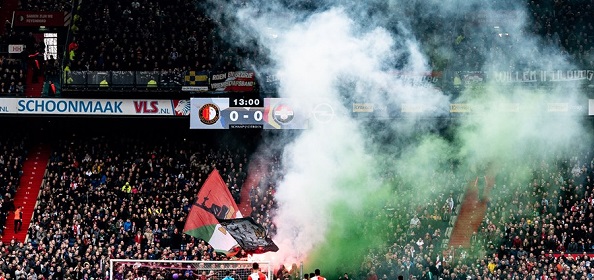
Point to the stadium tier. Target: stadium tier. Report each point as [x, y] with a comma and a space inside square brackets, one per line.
[307, 140]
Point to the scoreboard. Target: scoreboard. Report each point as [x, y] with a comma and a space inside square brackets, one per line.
[245, 113]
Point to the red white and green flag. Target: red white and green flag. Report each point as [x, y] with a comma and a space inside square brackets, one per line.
[214, 201]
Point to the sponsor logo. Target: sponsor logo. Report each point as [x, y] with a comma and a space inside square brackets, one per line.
[209, 113]
[16, 48]
[283, 114]
[460, 108]
[363, 107]
[146, 107]
[181, 107]
[412, 108]
[323, 113]
[66, 106]
[558, 107]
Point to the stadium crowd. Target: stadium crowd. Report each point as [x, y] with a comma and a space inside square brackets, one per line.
[12, 153]
[108, 198]
[161, 36]
[149, 36]
[416, 234]
[45, 6]
[262, 196]
[566, 24]
[13, 67]
[12, 77]
[175, 37]
[535, 228]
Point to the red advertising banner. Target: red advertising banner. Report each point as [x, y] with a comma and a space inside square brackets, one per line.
[33, 18]
[233, 81]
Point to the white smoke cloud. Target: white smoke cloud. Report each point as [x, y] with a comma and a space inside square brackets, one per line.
[328, 58]
[341, 55]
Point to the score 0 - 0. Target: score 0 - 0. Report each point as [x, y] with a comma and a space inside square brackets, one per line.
[247, 110]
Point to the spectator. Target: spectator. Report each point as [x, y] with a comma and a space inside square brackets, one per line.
[119, 224]
[18, 219]
[12, 77]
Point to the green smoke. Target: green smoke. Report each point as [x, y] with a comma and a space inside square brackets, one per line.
[404, 178]
[505, 136]
[352, 236]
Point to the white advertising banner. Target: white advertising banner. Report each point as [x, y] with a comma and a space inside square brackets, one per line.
[119, 107]
[16, 48]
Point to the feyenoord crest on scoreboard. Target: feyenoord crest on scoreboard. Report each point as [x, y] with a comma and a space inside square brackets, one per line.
[238, 113]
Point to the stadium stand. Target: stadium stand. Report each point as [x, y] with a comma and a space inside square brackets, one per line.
[12, 77]
[12, 153]
[83, 217]
[57, 5]
[152, 36]
[540, 231]
[165, 40]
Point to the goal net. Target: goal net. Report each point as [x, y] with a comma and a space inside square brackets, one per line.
[177, 269]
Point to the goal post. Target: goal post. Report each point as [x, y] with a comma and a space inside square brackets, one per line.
[184, 269]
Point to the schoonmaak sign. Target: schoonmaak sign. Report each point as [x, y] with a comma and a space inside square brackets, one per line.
[111, 107]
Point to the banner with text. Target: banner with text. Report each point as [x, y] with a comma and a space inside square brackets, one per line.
[121, 107]
[540, 76]
[530, 77]
[37, 18]
[469, 78]
[233, 81]
[573, 108]
[419, 79]
[16, 48]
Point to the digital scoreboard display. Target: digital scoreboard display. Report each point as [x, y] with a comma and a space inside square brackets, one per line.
[246, 113]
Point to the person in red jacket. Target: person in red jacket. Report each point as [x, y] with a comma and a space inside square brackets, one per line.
[18, 219]
[51, 89]
[318, 276]
[256, 274]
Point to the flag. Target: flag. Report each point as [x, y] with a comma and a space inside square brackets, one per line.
[193, 78]
[251, 236]
[214, 201]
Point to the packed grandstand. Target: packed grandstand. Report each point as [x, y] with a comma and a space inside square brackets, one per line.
[96, 188]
